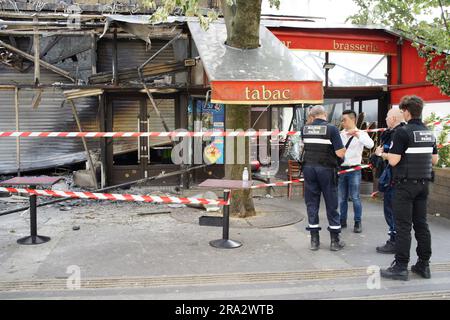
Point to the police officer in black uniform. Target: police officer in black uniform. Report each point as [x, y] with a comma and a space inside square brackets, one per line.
[394, 121]
[322, 148]
[413, 153]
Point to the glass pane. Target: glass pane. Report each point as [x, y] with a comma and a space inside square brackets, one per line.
[335, 107]
[370, 109]
[351, 69]
[357, 69]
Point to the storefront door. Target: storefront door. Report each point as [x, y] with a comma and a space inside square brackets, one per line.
[128, 157]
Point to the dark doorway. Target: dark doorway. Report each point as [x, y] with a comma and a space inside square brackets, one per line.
[132, 158]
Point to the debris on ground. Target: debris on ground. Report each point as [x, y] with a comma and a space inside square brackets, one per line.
[14, 199]
[152, 213]
[209, 207]
[176, 205]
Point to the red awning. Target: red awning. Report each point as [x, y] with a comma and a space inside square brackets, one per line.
[354, 40]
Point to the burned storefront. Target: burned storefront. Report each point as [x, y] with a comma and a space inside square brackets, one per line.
[88, 79]
[120, 73]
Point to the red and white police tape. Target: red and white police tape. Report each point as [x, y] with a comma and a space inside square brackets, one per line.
[357, 168]
[114, 197]
[375, 130]
[141, 198]
[443, 145]
[172, 134]
[443, 122]
[284, 183]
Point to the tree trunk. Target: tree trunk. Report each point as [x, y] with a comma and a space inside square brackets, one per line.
[238, 117]
[242, 22]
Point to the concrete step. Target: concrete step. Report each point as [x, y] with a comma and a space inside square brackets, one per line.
[350, 283]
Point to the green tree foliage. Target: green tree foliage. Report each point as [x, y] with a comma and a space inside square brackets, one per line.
[410, 17]
[442, 131]
[190, 8]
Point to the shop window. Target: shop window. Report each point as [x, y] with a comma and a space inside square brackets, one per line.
[206, 117]
[335, 107]
[370, 109]
[350, 70]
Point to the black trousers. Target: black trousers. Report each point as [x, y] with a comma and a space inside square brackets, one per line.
[321, 180]
[410, 210]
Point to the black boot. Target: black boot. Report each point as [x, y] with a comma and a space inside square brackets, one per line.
[388, 247]
[397, 271]
[358, 227]
[315, 240]
[336, 243]
[343, 224]
[422, 268]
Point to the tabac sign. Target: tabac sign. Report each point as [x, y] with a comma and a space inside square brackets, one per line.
[266, 92]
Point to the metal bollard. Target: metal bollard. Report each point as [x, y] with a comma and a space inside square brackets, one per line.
[225, 242]
[33, 238]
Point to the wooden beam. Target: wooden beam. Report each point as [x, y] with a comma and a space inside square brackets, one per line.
[48, 33]
[22, 15]
[88, 155]
[16, 106]
[94, 53]
[36, 23]
[42, 63]
[37, 55]
[151, 70]
[82, 93]
[115, 65]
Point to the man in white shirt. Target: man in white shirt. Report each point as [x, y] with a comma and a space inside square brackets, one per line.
[349, 183]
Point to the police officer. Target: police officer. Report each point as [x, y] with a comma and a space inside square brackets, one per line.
[322, 148]
[413, 153]
[394, 120]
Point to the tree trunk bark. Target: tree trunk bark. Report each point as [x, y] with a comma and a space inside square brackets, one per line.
[238, 117]
[242, 22]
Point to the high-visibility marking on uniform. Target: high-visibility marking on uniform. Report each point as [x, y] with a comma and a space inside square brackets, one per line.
[315, 130]
[317, 141]
[314, 226]
[419, 150]
[335, 227]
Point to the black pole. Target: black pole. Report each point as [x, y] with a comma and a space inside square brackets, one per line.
[226, 216]
[33, 215]
[225, 242]
[33, 238]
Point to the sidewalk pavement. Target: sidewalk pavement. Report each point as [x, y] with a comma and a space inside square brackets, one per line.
[129, 251]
